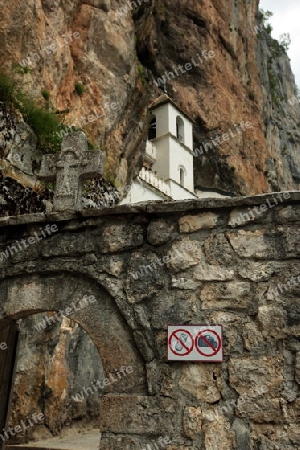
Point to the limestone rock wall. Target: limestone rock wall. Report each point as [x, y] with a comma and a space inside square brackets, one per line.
[117, 52]
[233, 262]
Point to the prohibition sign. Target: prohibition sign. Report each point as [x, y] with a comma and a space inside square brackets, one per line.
[211, 349]
[176, 337]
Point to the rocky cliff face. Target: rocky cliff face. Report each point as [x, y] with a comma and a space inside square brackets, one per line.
[99, 61]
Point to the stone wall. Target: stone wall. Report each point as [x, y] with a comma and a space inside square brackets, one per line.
[229, 261]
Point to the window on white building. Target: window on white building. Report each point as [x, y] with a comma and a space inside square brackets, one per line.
[180, 129]
[181, 173]
[152, 129]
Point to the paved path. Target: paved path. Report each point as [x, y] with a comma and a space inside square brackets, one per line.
[78, 441]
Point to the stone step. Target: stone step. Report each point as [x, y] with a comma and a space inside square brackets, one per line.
[27, 447]
[82, 441]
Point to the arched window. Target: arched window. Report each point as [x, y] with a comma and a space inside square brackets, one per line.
[180, 129]
[152, 129]
[181, 174]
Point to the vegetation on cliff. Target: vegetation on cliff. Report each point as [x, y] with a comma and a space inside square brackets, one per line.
[45, 124]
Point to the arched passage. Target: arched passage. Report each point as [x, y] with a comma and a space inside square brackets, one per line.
[59, 374]
[100, 318]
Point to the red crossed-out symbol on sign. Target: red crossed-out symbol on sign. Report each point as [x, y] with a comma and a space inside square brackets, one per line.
[179, 339]
[212, 350]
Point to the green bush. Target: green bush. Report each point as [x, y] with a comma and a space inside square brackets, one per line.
[45, 94]
[22, 70]
[45, 125]
[264, 16]
[79, 88]
[7, 88]
[142, 73]
[269, 28]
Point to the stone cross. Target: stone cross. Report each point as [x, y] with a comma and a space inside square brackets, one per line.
[73, 165]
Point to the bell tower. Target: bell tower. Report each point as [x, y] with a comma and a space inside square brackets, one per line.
[169, 148]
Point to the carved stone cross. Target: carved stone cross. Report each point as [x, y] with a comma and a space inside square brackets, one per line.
[73, 165]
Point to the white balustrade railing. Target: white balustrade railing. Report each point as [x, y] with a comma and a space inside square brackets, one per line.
[152, 179]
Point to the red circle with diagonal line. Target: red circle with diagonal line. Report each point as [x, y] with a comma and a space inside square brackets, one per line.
[212, 350]
[177, 336]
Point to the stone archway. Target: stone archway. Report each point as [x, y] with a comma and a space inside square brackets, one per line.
[101, 319]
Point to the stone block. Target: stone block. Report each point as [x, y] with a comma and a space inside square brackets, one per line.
[29, 294]
[294, 434]
[114, 264]
[292, 308]
[159, 232]
[146, 276]
[290, 213]
[252, 336]
[184, 254]
[121, 237]
[253, 244]
[291, 241]
[184, 283]
[66, 244]
[144, 344]
[136, 415]
[174, 306]
[273, 319]
[218, 251]
[218, 435]
[233, 342]
[271, 436]
[189, 224]
[257, 378]
[235, 295]
[294, 410]
[243, 216]
[261, 410]
[254, 271]
[242, 434]
[192, 421]
[203, 382]
[206, 272]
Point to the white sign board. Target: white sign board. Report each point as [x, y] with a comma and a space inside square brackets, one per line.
[195, 343]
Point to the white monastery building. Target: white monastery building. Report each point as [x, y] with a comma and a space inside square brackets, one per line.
[168, 170]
